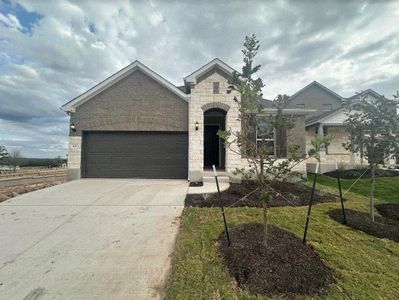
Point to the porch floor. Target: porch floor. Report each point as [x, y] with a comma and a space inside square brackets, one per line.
[209, 173]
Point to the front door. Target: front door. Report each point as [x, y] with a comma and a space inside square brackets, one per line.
[211, 145]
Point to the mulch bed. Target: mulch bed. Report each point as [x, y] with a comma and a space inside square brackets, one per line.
[381, 227]
[389, 210]
[356, 173]
[297, 194]
[196, 183]
[285, 268]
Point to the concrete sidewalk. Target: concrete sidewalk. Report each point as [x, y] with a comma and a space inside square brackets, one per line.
[90, 239]
[208, 188]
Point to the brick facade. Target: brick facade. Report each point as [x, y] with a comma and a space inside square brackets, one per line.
[135, 103]
[313, 98]
[296, 135]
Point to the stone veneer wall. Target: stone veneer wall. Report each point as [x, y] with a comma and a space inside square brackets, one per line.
[301, 167]
[336, 153]
[297, 134]
[202, 99]
[74, 157]
[338, 137]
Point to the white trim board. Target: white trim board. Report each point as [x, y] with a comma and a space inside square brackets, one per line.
[286, 111]
[331, 119]
[192, 78]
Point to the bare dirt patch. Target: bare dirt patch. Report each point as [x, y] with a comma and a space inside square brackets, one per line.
[389, 210]
[290, 194]
[24, 181]
[381, 227]
[285, 268]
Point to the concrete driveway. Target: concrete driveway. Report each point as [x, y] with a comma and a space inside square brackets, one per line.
[90, 239]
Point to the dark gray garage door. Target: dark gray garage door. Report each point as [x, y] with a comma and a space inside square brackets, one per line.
[135, 154]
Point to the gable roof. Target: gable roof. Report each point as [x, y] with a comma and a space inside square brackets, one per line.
[192, 78]
[182, 88]
[315, 83]
[136, 65]
[323, 116]
[365, 92]
[267, 103]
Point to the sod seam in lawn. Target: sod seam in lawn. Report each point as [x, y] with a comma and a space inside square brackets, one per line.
[365, 267]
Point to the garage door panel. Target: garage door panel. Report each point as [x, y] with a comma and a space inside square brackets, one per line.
[135, 154]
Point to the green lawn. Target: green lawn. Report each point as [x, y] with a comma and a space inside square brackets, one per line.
[365, 267]
[386, 188]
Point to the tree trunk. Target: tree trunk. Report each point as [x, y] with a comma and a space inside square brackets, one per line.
[265, 223]
[262, 169]
[361, 153]
[372, 192]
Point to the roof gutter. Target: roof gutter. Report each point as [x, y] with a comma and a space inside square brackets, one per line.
[287, 111]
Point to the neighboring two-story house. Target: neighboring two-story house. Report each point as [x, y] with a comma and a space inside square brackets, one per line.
[328, 119]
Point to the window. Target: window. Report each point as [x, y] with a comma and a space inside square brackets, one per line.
[265, 136]
[327, 107]
[216, 87]
[300, 105]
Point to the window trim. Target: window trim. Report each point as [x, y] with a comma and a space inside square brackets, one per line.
[267, 140]
[329, 105]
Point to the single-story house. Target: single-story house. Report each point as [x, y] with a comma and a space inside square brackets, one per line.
[136, 124]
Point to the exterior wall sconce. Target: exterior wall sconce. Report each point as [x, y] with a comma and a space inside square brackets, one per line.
[73, 127]
[196, 126]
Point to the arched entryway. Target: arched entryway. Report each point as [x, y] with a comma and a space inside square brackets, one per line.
[214, 149]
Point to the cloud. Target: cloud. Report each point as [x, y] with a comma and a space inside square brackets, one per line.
[10, 21]
[51, 51]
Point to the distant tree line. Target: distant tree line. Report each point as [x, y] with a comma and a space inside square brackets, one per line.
[14, 158]
[39, 162]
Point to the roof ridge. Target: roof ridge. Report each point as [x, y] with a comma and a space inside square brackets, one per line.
[369, 90]
[321, 86]
[205, 67]
[119, 75]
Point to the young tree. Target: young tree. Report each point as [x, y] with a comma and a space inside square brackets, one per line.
[58, 161]
[15, 158]
[267, 162]
[3, 153]
[372, 133]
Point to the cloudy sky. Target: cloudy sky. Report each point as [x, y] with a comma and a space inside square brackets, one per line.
[51, 51]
